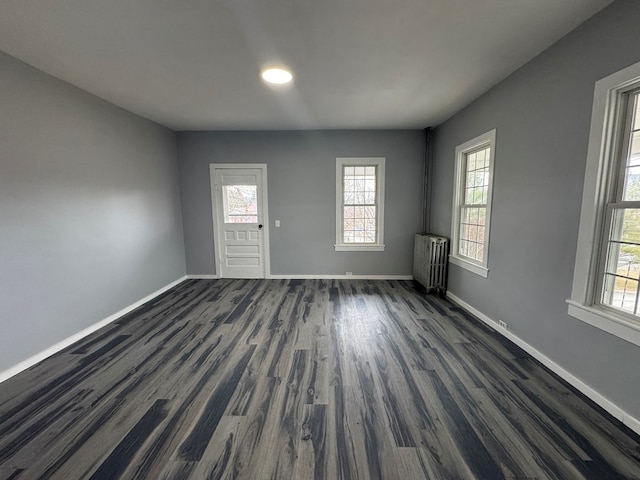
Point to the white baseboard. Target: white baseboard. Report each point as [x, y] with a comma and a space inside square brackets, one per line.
[630, 421]
[31, 361]
[315, 276]
[341, 277]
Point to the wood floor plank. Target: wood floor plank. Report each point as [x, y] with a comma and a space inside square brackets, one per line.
[252, 453]
[511, 436]
[303, 379]
[217, 459]
[320, 352]
[283, 441]
[312, 459]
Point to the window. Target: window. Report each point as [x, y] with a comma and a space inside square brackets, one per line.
[606, 282]
[472, 203]
[359, 204]
[621, 270]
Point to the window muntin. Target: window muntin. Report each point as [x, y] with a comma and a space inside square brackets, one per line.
[472, 203]
[359, 203]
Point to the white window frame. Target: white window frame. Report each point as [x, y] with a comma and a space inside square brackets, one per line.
[379, 163]
[600, 176]
[485, 140]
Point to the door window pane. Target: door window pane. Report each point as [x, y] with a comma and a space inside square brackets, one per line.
[240, 203]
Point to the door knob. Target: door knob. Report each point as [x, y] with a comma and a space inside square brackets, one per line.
[260, 226]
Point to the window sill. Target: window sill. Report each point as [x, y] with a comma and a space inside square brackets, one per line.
[467, 265]
[607, 321]
[359, 248]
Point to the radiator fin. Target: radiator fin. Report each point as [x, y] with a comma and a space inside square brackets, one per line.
[430, 261]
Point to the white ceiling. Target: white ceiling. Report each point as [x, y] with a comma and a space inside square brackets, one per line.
[194, 64]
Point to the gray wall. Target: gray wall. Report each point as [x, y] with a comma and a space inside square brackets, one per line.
[89, 210]
[542, 114]
[301, 185]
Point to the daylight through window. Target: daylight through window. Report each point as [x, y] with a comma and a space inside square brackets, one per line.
[473, 210]
[240, 203]
[359, 203]
[472, 203]
[359, 209]
[621, 270]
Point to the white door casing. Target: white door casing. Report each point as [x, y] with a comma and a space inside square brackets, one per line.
[240, 220]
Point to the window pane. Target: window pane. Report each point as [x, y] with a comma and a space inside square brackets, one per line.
[482, 216]
[473, 250]
[240, 204]
[634, 158]
[481, 235]
[349, 184]
[620, 293]
[359, 211]
[359, 184]
[349, 198]
[370, 197]
[468, 196]
[463, 249]
[359, 224]
[622, 267]
[632, 184]
[632, 162]
[476, 188]
[475, 180]
[471, 179]
[471, 162]
[472, 232]
[349, 212]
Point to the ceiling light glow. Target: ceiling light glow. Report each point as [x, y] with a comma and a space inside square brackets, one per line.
[278, 76]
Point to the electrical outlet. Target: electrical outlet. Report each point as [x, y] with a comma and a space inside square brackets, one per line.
[502, 324]
[349, 273]
[277, 223]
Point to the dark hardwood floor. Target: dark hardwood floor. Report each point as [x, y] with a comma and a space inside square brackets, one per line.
[295, 379]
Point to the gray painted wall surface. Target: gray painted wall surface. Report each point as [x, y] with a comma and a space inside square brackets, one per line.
[301, 185]
[89, 210]
[542, 114]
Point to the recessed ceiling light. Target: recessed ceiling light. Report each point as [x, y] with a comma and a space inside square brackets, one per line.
[278, 76]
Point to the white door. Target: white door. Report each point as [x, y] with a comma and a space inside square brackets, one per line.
[240, 220]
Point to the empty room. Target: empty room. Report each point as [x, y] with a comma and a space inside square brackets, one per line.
[320, 240]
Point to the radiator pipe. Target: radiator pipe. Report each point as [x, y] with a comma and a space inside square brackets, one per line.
[426, 186]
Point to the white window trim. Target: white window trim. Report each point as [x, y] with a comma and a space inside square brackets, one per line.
[479, 268]
[340, 246]
[597, 180]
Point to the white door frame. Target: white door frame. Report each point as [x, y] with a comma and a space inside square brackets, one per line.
[265, 211]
